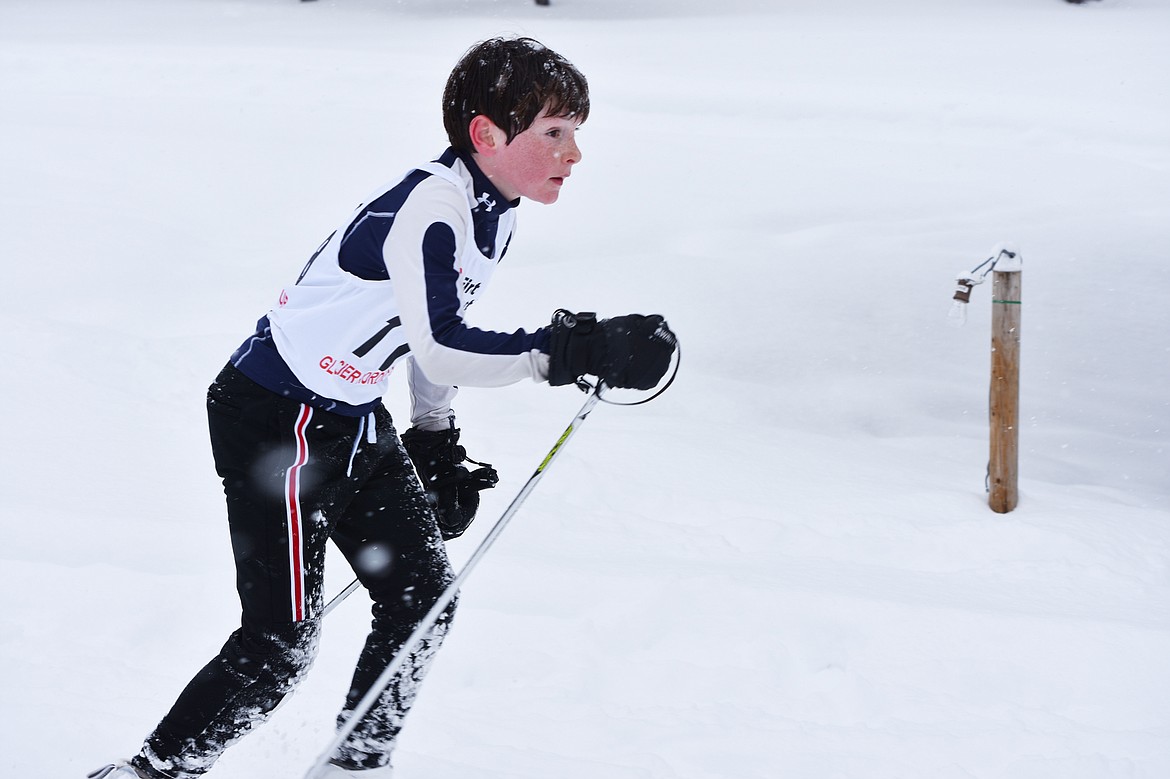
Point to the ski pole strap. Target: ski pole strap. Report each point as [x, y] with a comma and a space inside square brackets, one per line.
[600, 387]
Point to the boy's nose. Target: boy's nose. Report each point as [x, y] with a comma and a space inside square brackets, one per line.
[574, 154]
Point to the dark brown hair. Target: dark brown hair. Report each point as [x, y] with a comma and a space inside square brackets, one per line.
[511, 81]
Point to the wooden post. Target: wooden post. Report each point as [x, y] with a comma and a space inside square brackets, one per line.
[1003, 470]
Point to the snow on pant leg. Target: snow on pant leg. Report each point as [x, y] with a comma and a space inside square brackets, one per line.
[230, 696]
[391, 538]
[280, 462]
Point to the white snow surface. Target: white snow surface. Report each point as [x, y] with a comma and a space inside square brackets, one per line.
[783, 567]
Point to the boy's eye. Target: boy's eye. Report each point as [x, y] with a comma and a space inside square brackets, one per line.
[554, 133]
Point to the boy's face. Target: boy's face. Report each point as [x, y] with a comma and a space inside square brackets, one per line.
[537, 161]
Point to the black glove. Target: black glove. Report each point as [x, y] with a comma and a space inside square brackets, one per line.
[452, 490]
[630, 351]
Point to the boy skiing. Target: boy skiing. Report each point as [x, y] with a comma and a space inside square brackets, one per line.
[308, 453]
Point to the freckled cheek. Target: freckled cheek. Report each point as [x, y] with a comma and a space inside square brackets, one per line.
[534, 171]
[533, 164]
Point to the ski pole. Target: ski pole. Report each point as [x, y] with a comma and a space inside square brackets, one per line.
[427, 623]
[339, 597]
[350, 589]
[352, 586]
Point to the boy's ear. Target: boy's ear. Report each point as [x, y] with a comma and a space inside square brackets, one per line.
[486, 136]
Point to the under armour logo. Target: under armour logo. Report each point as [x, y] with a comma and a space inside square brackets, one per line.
[486, 201]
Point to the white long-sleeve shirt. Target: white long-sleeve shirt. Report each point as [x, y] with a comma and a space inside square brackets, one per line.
[393, 284]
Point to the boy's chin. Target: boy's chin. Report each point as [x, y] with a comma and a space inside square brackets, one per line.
[547, 197]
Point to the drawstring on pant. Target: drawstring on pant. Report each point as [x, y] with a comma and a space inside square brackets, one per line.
[368, 426]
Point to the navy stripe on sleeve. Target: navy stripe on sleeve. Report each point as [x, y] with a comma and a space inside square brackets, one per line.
[447, 327]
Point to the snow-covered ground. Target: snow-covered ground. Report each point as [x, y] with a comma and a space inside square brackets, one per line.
[785, 566]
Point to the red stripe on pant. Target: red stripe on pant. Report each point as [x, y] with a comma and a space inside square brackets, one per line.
[292, 494]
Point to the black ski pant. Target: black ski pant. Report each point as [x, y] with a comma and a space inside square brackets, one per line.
[296, 477]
